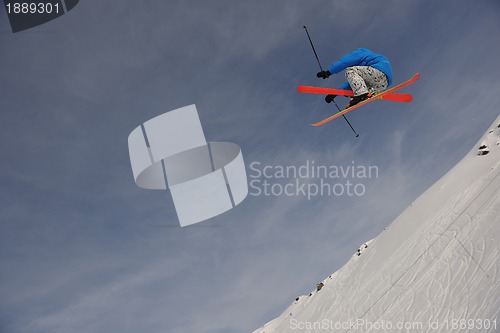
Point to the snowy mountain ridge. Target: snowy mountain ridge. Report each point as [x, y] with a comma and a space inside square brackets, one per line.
[435, 268]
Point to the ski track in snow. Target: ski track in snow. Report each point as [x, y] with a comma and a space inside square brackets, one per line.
[437, 262]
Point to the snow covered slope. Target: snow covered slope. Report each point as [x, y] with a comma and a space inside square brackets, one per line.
[434, 269]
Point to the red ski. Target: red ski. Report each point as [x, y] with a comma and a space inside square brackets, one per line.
[349, 93]
[376, 96]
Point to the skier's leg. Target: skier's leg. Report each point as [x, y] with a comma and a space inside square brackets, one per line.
[373, 79]
[356, 80]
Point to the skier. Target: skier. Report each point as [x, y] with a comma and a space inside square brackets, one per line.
[366, 72]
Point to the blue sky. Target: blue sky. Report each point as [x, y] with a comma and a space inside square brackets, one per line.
[83, 249]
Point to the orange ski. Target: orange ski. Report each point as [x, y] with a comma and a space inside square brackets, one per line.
[376, 96]
[348, 93]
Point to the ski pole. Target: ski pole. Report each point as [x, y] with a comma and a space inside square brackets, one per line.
[348, 123]
[321, 68]
[312, 46]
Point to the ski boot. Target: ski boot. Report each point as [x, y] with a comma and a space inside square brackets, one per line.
[356, 99]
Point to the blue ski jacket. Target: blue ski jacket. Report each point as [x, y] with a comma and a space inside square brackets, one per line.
[363, 57]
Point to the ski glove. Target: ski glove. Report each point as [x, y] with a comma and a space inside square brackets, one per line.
[330, 98]
[323, 74]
